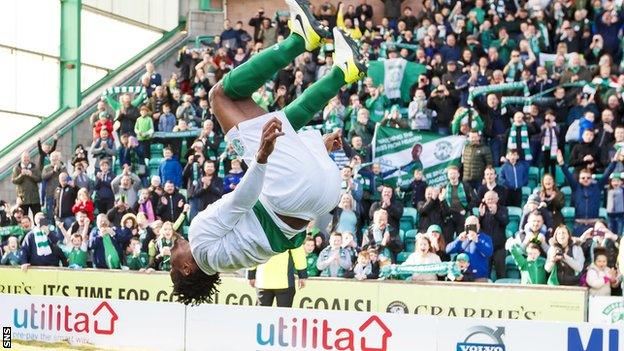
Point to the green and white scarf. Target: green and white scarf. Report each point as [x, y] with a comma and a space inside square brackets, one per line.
[42, 244]
[496, 88]
[549, 142]
[110, 253]
[442, 268]
[524, 140]
[461, 194]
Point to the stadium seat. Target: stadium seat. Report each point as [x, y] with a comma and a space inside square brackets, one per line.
[567, 194]
[526, 192]
[154, 163]
[507, 281]
[534, 177]
[537, 189]
[515, 214]
[509, 234]
[409, 219]
[603, 214]
[222, 147]
[409, 240]
[156, 150]
[511, 269]
[402, 256]
[561, 181]
[568, 216]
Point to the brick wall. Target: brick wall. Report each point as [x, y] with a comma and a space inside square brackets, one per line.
[242, 10]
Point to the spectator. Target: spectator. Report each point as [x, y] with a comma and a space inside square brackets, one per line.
[586, 154]
[422, 255]
[84, 204]
[586, 211]
[50, 175]
[518, 137]
[531, 267]
[311, 257]
[599, 237]
[167, 120]
[170, 169]
[532, 233]
[600, 277]
[105, 245]
[40, 248]
[363, 127]
[490, 184]
[553, 198]
[144, 128]
[334, 260]
[430, 209]
[127, 115]
[45, 150]
[475, 158]
[103, 122]
[345, 218]
[171, 203]
[75, 244]
[234, 177]
[456, 200]
[565, 259]
[25, 177]
[126, 187]
[11, 255]
[363, 268]
[494, 219]
[103, 189]
[136, 259]
[103, 148]
[514, 176]
[382, 235]
[393, 207]
[477, 245]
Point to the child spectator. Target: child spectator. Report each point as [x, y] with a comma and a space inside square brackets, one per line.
[363, 267]
[145, 206]
[514, 175]
[234, 177]
[418, 187]
[531, 267]
[164, 244]
[600, 277]
[422, 255]
[75, 244]
[11, 256]
[550, 145]
[105, 246]
[144, 128]
[84, 204]
[518, 137]
[127, 153]
[311, 257]
[103, 189]
[102, 123]
[170, 169]
[463, 263]
[167, 120]
[615, 204]
[136, 260]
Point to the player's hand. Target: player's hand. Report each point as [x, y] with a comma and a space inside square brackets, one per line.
[252, 283]
[333, 141]
[270, 132]
[301, 283]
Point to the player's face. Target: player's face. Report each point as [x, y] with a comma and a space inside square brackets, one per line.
[182, 262]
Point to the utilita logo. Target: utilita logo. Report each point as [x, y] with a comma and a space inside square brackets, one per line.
[320, 334]
[63, 318]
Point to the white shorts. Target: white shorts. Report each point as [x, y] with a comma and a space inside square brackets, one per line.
[301, 180]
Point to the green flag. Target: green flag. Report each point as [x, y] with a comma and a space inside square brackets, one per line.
[401, 151]
[397, 76]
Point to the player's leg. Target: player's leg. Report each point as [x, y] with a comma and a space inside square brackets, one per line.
[347, 69]
[306, 34]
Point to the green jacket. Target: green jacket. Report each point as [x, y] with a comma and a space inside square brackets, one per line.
[377, 107]
[532, 272]
[144, 128]
[137, 262]
[311, 259]
[26, 186]
[504, 50]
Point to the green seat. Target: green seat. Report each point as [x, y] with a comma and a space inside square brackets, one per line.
[560, 177]
[515, 214]
[402, 257]
[509, 234]
[475, 211]
[156, 149]
[534, 175]
[411, 212]
[409, 240]
[222, 147]
[507, 281]
[603, 214]
[409, 218]
[526, 192]
[567, 194]
[568, 216]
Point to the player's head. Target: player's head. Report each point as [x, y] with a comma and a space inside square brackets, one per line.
[416, 150]
[190, 284]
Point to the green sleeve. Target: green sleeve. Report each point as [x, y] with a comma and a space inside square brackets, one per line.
[113, 102]
[179, 222]
[139, 99]
[455, 125]
[516, 252]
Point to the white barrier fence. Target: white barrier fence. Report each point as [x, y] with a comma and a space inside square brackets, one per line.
[607, 309]
[152, 325]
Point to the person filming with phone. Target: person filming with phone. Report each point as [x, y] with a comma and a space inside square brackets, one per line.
[477, 245]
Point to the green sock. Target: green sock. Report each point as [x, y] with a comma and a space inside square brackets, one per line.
[314, 98]
[245, 79]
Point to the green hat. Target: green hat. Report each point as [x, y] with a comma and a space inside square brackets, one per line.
[616, 176]
[395, 107]
[462, 257]
[103, 114]
[434, 228]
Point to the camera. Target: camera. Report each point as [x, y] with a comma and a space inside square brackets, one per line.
[558, 253]
[471, 228]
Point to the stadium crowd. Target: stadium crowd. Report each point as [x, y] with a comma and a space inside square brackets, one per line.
[534, 86]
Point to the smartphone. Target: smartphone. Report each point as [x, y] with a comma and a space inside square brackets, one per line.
[599, 232]
[471, 228]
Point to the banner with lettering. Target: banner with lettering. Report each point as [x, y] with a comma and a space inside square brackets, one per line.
[401, 151]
